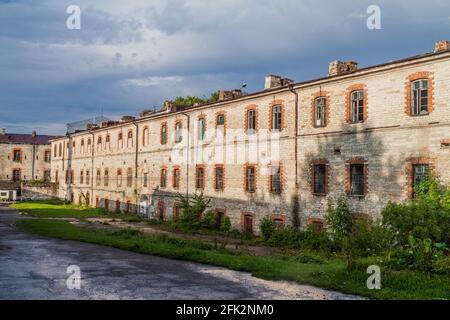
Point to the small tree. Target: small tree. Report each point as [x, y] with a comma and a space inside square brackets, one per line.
[192, 209]
[342, 226]
[295, 212]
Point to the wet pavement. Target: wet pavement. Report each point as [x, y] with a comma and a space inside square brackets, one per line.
[33, 267]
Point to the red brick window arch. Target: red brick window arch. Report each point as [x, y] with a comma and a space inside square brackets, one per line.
[357, 103]
[419, 89]
[145, 136]
[319, 177]
[357, 176]
[251, 119]
[320, 109]
[276, 118]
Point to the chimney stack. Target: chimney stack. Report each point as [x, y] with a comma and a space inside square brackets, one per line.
[2, 131]
[229, 94]
[33, 133]
[442, 46]
[273, 81]
[337, 67]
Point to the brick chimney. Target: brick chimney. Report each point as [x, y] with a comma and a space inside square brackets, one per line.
[273, 81]
[229, 94]
[2, 131]
[442, 46]
[341, 67]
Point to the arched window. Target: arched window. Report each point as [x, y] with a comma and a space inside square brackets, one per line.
[201, 128]
[163, 179]
[120, 140]
[107, 141]
[106, 178]
[145, 137]
[99, 143]
[60, 150]
[55, 150]
[119, 177]
[89, 145]
[164, 134]
[82, 146]
[178, 135]
[129, 177]
[130, 139]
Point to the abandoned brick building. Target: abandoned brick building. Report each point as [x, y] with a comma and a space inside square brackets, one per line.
[23, 157]
[369, 134]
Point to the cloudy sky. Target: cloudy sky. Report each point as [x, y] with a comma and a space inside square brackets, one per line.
[131, 55]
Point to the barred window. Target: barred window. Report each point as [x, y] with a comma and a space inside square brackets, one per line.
[357, 182]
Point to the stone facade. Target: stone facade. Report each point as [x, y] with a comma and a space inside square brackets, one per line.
[127, 161]
[24, 157]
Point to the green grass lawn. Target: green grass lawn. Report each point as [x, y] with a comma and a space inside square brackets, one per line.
[331, 274]
[58, 209]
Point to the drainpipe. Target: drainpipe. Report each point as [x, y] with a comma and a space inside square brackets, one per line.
[187, 152]
[91, 177]
[291, 89]
[136, 164]
[33, 162]
[69, 168]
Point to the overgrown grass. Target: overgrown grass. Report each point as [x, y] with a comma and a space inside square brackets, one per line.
[58, 209]
[331, 274]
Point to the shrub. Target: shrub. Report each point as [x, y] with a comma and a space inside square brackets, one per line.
[267, 227]
[421, 228]
[210, 220]
[192, 209]
[225, 226]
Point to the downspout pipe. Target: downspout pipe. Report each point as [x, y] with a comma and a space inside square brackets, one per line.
[291, 89]
[91, 177]
[187, 151]
[136, 165]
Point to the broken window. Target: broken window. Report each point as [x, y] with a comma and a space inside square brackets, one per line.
[176, 179]
[178, 136]
[220, 121]
[357, 106]
[419, 97]
[119, 177]
[106, 178]
[420, 174]
[320, 179]
[163, 179]
[164, 134]
[129, 177]
[17, 155]
[201, 129]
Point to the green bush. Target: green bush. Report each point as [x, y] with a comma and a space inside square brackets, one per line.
[267, 227]
[225, 226]
[420, 229]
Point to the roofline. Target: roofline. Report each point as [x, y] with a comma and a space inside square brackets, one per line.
[304, 84]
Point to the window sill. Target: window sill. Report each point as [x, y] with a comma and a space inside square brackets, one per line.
[360, 196]
[319, 194]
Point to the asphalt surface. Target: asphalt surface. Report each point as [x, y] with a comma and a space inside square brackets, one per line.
[33, 267]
